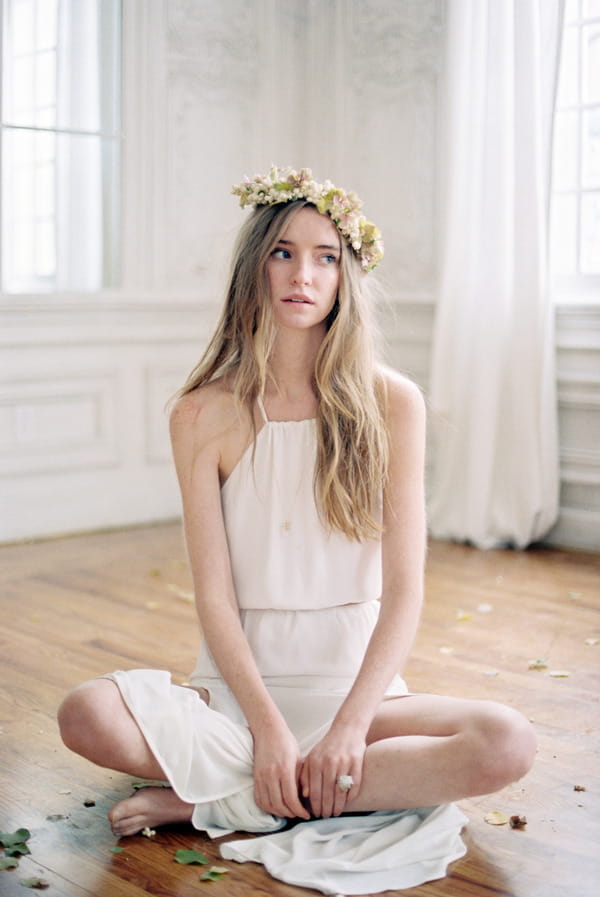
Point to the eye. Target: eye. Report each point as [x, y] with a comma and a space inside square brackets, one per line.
[280, 253]
[329, 259]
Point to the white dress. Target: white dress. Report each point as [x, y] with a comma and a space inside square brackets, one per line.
[308, 602]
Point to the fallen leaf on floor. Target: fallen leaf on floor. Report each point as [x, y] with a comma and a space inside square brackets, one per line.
[184, 594]
[496, 818]
[152, 605]
[463, 616]
[490, 672]
[14, 842]
[55, 817]
[155, 572]
[446, 649]
[540, 664]
[65, 791]
[574, 594]
[214, 873]
[579, 788]
[8, 862]
[148, 832]
[485, 608]
[559, 674]
[592, 641]
[191, 857]
[518, 821]
[40, 884]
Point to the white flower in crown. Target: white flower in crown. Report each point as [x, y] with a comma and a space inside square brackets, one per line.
[344, 209]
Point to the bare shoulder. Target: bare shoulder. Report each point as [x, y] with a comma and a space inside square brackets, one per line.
[404, 400]
[208, 427]
[204, 422]
[205, 410]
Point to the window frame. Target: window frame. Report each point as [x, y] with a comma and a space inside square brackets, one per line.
[577, 287]
[111, 136]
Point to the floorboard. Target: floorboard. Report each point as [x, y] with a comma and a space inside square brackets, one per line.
[73, 608]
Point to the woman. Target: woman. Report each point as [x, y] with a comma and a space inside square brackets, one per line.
[300, 463]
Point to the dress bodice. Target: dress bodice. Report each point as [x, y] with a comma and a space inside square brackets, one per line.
[282, 555]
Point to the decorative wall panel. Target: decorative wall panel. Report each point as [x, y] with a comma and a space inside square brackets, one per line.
[54, 424]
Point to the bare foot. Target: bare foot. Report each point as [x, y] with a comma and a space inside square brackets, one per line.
[147, 808]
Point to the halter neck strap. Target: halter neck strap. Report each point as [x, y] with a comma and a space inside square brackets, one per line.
[261, 405]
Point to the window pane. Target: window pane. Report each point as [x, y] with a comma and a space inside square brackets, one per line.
[59, 204]
[591, 8]
[590, 233]
[563, 230]
[590, 174]
[568, 85]
[60, 208]
[591, 64]
[61, 65]
[565, 151]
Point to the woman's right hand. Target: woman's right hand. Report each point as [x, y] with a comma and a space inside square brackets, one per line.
[277, 767]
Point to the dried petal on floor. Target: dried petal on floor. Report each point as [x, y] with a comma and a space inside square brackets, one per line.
[496, 818]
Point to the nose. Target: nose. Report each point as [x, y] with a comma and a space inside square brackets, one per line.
[301, 273]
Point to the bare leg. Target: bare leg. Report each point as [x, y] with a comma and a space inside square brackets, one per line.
[96, 723]
[426, 750]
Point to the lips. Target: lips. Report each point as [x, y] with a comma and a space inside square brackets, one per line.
[298, 299]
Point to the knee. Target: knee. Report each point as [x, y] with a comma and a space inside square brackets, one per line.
[506, 747]
[79, 715]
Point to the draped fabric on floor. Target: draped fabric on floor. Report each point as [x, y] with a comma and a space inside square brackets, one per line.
[493, 395]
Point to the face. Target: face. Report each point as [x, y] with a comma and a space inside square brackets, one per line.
[304, 271]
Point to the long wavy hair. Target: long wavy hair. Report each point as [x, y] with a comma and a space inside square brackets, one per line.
[352, 442]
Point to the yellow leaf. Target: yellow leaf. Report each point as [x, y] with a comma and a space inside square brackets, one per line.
[496, 818]
[559, 674]
[463, 616]
[592, 641]
[540, 664]
[152, 605]
[184, 594]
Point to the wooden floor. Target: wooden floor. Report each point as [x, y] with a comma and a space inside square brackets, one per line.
[74, 608]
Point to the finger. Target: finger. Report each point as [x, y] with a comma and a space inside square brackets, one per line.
[304, 781]
[315, 794]
[329, 795]
[293, 804]
[340, 799]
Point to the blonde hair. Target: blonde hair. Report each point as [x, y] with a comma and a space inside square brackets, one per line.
[352, 442]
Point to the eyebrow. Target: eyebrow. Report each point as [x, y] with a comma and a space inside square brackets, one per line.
[318, 246]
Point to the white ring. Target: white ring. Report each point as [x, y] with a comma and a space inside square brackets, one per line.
[345, 783]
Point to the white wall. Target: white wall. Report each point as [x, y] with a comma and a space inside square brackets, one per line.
[216, 89]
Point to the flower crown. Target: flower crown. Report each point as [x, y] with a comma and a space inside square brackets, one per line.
[344, 209]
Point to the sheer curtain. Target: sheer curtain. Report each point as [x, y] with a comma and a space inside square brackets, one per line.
[494, 430]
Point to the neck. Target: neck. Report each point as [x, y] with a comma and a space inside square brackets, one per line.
[292, 364]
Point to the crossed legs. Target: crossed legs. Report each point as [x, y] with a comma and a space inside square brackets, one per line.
[422, 750]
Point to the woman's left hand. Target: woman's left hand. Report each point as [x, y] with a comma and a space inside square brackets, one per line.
[340, 753]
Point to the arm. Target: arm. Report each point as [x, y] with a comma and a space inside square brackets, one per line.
[204, 427]
[403, 557]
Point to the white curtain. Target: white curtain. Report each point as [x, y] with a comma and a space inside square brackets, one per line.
[493, 398]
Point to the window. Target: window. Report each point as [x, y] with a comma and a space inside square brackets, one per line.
[575, 220]
[60, 145]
